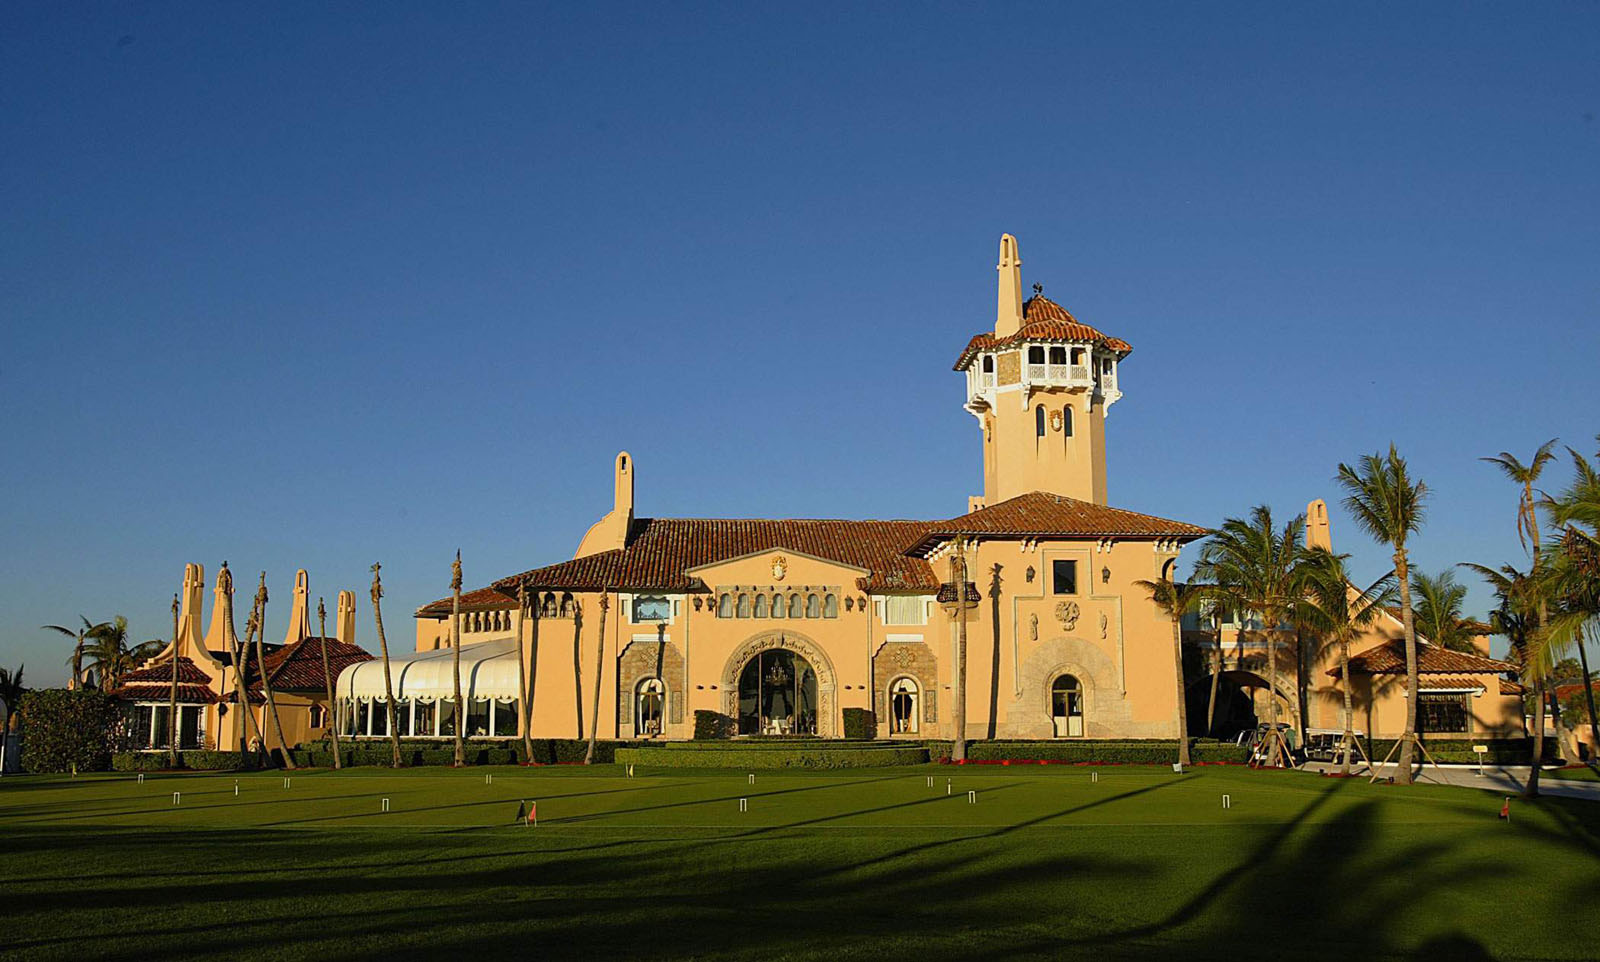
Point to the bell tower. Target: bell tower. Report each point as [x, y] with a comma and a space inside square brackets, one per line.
[1040, 385]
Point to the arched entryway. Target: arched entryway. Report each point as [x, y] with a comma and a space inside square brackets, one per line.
[1241, 704]
[649, 707]
[779, 683]
[1066, 706]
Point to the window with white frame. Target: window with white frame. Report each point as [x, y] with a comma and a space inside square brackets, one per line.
[905, 610]
[648, 608]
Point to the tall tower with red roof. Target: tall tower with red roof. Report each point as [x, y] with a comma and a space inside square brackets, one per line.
[1040, 385]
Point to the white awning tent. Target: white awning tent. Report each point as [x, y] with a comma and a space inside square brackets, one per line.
[488, 670]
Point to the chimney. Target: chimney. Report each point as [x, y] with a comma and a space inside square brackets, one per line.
[1008, 313]
[1318, 534]
[344, 624]
[300, 617]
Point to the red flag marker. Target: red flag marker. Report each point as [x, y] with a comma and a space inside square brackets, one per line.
[1505, 809]
[533, 813]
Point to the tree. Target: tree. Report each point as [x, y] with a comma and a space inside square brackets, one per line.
[599, 675]
[958, 745]
[327, 684]
[108, 655]
[525, 609]
[1574, 575]
[172, 704]
[1259, 568]
[78, 635]
[1177, 600]
[10, 698]
[388, 686]
[1339, 611]
[1523, 599]
[455, 652]
[260, 615]
[1439, 600]
[1390, 506]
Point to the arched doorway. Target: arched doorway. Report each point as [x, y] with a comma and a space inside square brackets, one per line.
[1066, 706]
[778, 695]
[649, 707]
[904, 699]
[1241, 704]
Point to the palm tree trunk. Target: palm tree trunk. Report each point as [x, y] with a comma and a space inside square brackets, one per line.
[455, 653]
[1349, 707]
[266, 683]
[1216, 681]
[172, 704]
[1588, 693]
[1531, 789]
[327, 683]
[1272, 690]
[388, 686]
[77, 662]
[524, 692]
[1402, 573]
[958, 745]
[1183, 706]
[241, 669]
[599, 673]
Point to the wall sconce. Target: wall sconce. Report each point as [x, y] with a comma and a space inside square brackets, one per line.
[1105, 576]
[1029, 574]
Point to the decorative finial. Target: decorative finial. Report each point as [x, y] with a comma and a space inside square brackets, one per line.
[1038, 289]
[225, 579]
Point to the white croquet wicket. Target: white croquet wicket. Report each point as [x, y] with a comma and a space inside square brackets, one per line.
[972, 798]
[752, 778]
[1227, 801]
[176, 796]
[385, 805]
[744, 804]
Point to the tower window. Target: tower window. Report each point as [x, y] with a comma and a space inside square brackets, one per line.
[1058, 355]
[761, 606]
[1038, 421]
[1064, 577]
[743, 609]
[1077, 355]
[988, 364]
[1066, 421]
[1036, 355]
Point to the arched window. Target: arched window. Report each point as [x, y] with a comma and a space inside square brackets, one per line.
[1066, 421]
[988, 364]
[1036, 354]
[649, 707]
[903, 700]
[725, 606]
[813, 606]
[1038, 421]
[744, 606]
[830, 606]
[777, 606]
[761, 606]
[795, 610]
[1066, 707]
[566, 604]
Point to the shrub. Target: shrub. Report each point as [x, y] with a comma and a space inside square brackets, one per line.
[712, 724]
[63, 730]
[819, 756]
[860, 724]
[1108, 752]
[1458, 750]
[194, 760]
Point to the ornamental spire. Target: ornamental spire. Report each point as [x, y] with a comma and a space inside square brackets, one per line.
[1008, 312]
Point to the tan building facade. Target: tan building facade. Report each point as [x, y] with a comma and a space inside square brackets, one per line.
[782, 626]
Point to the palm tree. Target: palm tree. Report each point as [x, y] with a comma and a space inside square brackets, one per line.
[1524, 475]
[260, 615]
[455, 650]
[1177, 600]
[958, 746]
[10, 694]
[172, 704]
[1339, 611]
[1574, 577]
[1439, 600]
[76, 661]
[327, 683]
[388, 686]
[524, 690]
[1389, 506]
[240, 654]
[1259, 568]
[108, 656]
[1217, 601]
[1522, 599]
[599, 673]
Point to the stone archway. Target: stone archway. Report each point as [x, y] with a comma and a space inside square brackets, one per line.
[806, 648]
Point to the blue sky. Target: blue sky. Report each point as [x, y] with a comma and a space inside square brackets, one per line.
[318, 285]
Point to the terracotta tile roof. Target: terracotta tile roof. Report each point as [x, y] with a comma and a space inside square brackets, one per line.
[188, 674]
[188, 694]
[660, 550]
[1043, 515]
[299, 666]
[1390, 659]
[483, 599]
[1043, 320]
[1446, 682]
[1566, 691]
[1509, 687]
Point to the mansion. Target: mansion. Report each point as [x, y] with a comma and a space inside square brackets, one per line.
[781, 626]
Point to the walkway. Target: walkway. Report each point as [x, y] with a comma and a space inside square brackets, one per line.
[1506, 780]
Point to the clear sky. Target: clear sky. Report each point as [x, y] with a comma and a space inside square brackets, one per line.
[318, 285]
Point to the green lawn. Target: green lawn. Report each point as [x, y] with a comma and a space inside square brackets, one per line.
[832, 865]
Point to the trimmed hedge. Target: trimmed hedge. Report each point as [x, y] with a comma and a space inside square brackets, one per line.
[416, 752]
[860, 724]
[712, 724]
[1457, 750]
[193, 760]
[1105, 752]
[741, 757]
[757, 743]
[65, 730]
